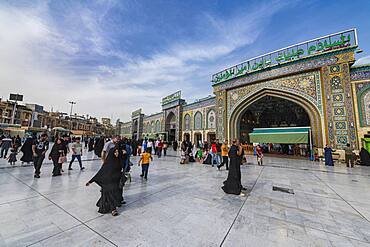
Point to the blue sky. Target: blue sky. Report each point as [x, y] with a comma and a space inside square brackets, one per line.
[113, 57]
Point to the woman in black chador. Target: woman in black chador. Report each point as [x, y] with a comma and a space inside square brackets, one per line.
[91, 144]
[27, 151]
[99, 145]
[233, 184]
[365, 157]
[58, 151]
[108, 178]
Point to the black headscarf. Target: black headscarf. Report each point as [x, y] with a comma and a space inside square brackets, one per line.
[110, 172]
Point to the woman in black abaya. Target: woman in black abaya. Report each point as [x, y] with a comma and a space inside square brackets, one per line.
[233, 184]
[27, 150]
[58, 150]
[365, 157]
[99, 145]
[108, 178]
[91, 144]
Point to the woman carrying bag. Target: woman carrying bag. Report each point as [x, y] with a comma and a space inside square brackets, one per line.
[57, 155]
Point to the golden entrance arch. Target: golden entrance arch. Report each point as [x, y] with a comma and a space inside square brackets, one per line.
[315, 117]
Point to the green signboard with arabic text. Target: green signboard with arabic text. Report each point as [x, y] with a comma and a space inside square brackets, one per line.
[340, 40]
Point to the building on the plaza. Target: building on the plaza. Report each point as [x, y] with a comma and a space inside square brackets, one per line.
[312, 84]
[177, 121]
[32, 118]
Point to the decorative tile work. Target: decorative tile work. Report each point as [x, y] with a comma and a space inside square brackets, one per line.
[336, 83]
[306, 85]
[202, 103]
[335, 69]
[363, 103]
[360, 73]
[221, 125]
[349, 105]
[339, 105]
[366, 106]
[211, 119]
[279, 71]
[335, 79]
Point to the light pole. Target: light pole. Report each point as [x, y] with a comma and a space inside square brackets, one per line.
[70, 114]
[72, 103]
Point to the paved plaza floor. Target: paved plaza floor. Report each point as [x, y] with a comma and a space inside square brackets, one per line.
[183, 205]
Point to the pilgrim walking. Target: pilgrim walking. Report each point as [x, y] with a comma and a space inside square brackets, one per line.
[233, 185]
[328, 153]
[57, 155]
[26, 149]
[108, 178]
[39, 149]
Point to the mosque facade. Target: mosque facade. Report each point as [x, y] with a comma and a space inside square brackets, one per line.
[312, 84]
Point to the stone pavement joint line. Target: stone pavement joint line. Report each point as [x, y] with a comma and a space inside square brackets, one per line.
[82, 223]
[240, 209]
[349, 204]
[184, 205]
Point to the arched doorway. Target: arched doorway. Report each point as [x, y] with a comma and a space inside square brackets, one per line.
[271, 112]
[274, 108]
[171, 126]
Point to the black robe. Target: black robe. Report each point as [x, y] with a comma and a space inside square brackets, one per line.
[233, 185]
[108, 178]
[27, 151]
[56, 151]
[365, 157]
[208, 159]
[99, 145]
[91, 144]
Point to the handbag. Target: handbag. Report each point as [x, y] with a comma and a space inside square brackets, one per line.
[62, 158]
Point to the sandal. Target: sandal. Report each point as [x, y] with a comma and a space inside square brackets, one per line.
[114, 213]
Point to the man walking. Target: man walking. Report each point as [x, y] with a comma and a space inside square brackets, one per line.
[76, 153]
[6, 143]
[109, 145]
[39, 149]
[218, 155]
[349, 157]
[225, 156]
[159, 148]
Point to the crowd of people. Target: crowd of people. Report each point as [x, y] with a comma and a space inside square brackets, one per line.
[214, 153]
[115, 154]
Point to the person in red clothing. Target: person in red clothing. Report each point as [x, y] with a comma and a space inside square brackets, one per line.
[159, 148]
[259, 155]
[214, 153]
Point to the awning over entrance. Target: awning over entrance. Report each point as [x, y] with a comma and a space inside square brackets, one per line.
[289, 135]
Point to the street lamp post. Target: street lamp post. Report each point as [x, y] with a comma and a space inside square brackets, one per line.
[70, 114]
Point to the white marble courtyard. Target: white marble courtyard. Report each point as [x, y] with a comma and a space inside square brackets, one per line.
[183, 205]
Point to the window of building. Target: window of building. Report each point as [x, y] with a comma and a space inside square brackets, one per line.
[198, 121]
[211, 120]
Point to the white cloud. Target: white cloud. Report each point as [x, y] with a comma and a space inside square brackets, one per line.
[38, 60]
[362, 61]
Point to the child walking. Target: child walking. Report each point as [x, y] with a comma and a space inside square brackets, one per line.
[259, 154]
[13, 155]
[144, 161]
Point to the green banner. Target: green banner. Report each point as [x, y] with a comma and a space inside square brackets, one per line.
[280, 135]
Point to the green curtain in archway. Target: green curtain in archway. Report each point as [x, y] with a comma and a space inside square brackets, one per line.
[289, 135]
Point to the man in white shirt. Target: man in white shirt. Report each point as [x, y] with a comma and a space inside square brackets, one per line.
[76, 153]
[150, 146]
[108, 146]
